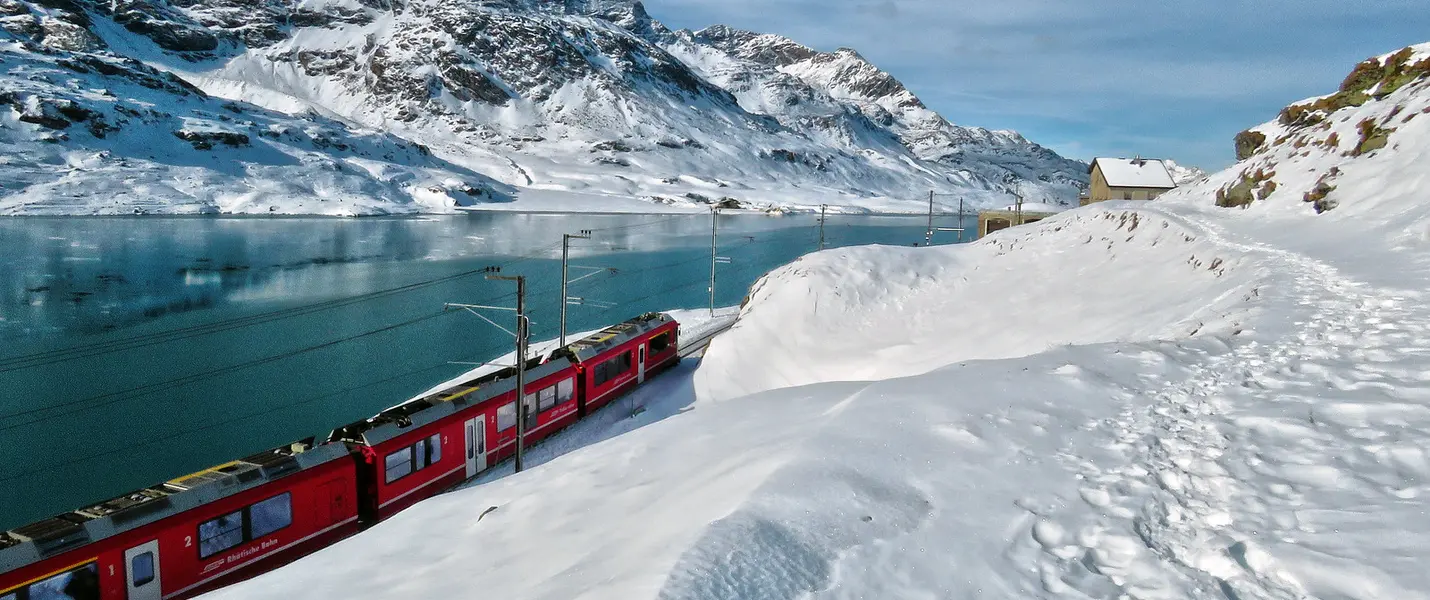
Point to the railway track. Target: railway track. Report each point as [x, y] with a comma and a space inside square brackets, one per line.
[688, 349]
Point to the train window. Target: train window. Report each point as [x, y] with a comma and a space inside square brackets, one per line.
[75, 584]
[398, 464]
[565, 390]
[270, 515]
[217, 535]
[419, 454]
[659, 343]
[506, 416]
[9, 596]
[613, 368]
[434, 449]
[547, 398]
[142, 569]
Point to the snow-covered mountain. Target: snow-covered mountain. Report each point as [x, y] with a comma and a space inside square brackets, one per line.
[1183, 175]
[85, 130]
[589, 98]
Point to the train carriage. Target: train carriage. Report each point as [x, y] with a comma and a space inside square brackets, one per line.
[236, 520]
[188, 535]
[422, 447]
[616, 359]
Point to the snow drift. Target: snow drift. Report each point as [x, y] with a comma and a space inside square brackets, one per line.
[1121, 422]
[880, 312]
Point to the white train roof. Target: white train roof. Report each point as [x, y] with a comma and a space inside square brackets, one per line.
[592, 345]
[428, 409]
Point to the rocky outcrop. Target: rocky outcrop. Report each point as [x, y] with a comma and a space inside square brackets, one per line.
[1311, 145]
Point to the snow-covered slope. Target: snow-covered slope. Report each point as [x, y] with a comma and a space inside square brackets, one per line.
[86, 132]
[849, 102]
[584, 98]
[1215, 403]
[1093, 277]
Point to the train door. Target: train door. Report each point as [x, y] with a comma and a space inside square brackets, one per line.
[476, 446]
[640, 363]
[141, 572]
[330, 505]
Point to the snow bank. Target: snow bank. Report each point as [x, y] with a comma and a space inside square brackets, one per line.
[1089, 276]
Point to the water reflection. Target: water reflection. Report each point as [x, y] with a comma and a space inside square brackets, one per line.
[80, 425]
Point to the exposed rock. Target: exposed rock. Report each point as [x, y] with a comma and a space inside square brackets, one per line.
[204, 140]
[1248, 142]
[614, 161]
[611, 146]
[1372, 137]
[45, 113]
[10, 8]
[23, 25]
[62, 35]
[167, 27]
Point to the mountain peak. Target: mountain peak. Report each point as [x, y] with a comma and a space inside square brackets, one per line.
[578, 95]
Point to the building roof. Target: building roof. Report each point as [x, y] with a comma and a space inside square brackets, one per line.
[1134, 173]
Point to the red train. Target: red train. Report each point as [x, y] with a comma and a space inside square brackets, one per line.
[221, 525]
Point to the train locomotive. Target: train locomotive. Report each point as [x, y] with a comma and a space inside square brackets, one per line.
[233, 521]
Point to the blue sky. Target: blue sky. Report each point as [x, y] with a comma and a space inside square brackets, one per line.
[1097, 77]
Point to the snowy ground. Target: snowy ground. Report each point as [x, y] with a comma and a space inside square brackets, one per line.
[1128, 400]
[1264, 455]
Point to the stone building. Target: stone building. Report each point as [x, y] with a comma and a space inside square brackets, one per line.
[1127, 179]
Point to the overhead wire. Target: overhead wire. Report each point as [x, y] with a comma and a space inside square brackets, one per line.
[133, 393]
[108, 399]
[102, 400]
[17, 362]
[233, 368]
[225, 422]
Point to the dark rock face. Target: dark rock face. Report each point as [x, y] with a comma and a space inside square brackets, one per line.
[204, 140]
[45, 113]
[64, 35]
[168, 35]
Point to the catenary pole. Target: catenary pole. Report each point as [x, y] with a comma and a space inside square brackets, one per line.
[928, 233]
[822, 208]
[713, 257]
[565, 257]
[960, 218]
[522, 330]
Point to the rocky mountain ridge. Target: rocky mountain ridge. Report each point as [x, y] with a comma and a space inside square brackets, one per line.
[585, 97]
